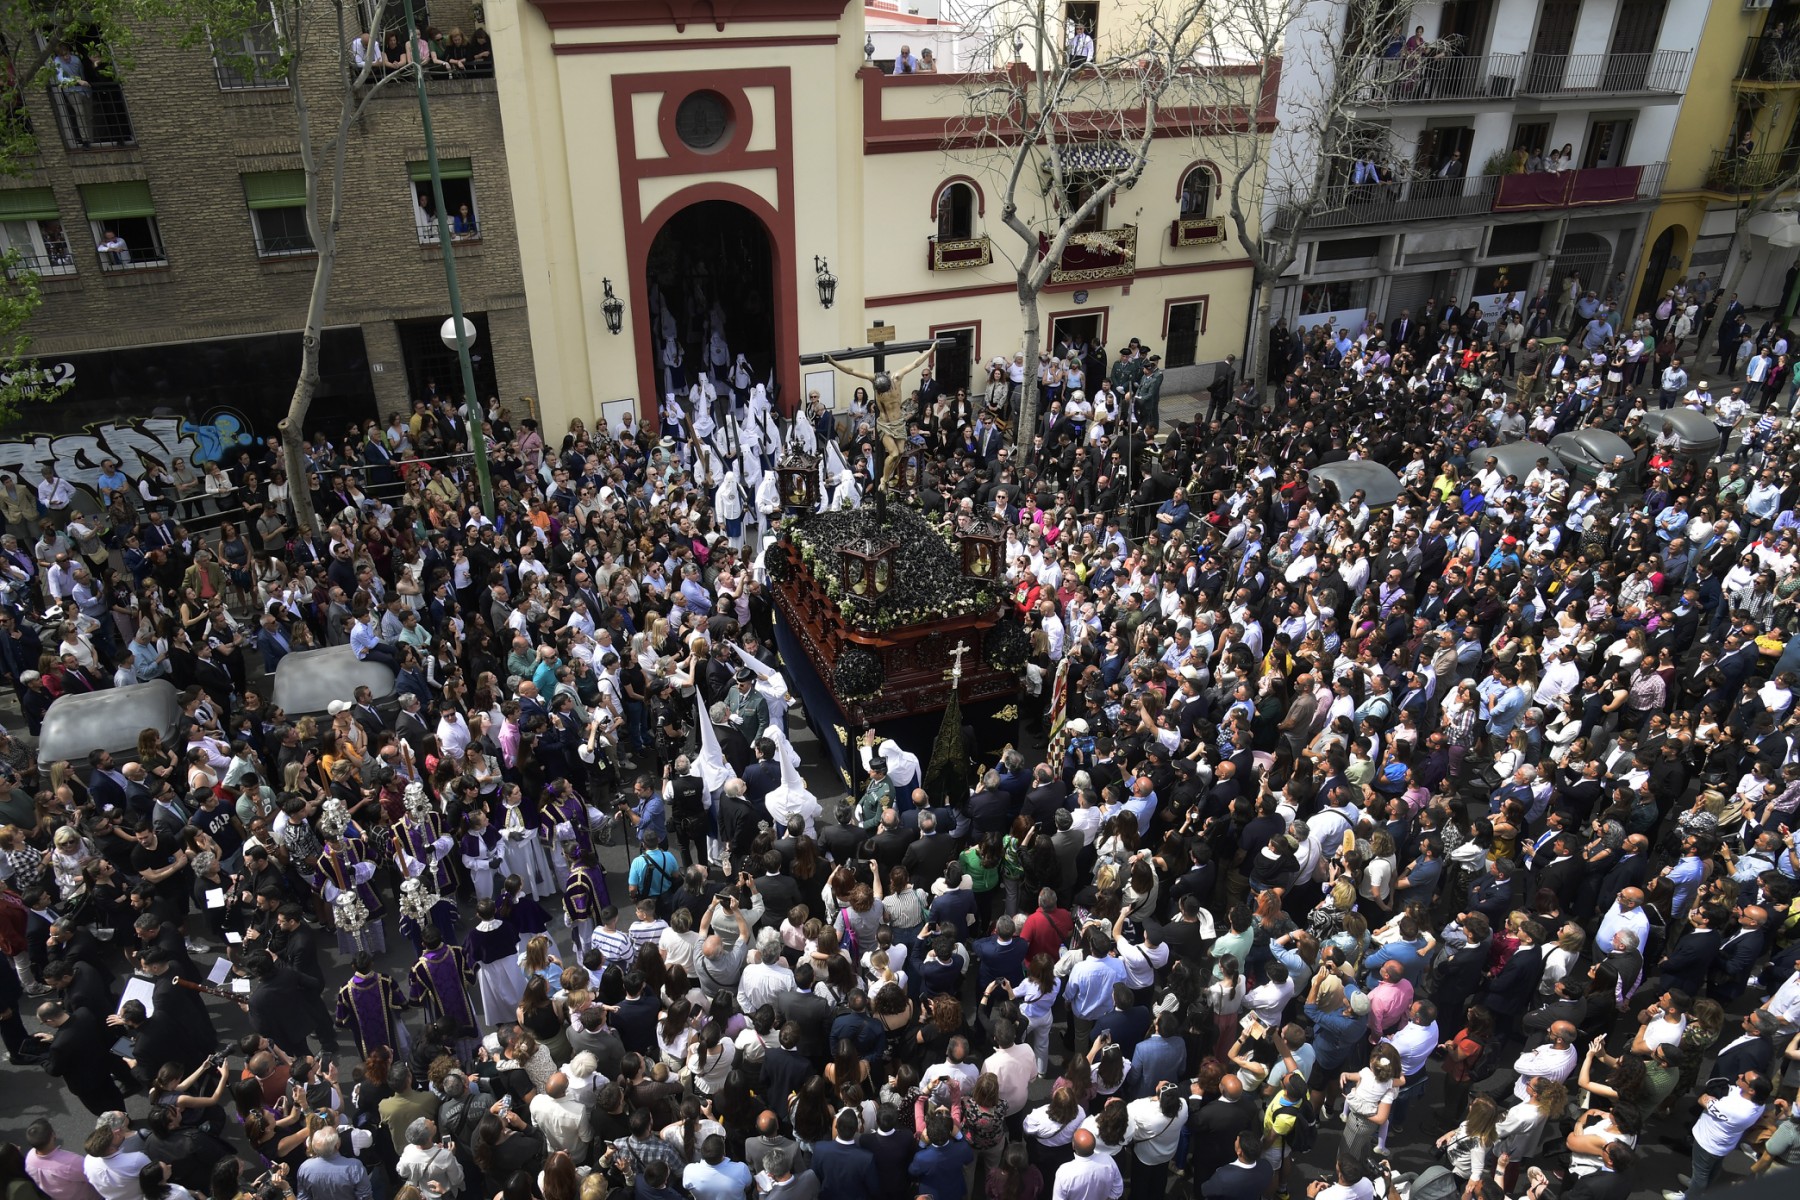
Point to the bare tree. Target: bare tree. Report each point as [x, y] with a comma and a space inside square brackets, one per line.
[1329, 61]
[1061, 134]
[306, 45]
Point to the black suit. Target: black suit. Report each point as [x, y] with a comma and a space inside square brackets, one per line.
[1738, 954]
[990, 812]
[813, 1015]
[195, 1024]
[1042, 803]
[925, 859]
[1213, 1127]
[1511, 990]
[280, 1012]
[80, 1054]
[1737, 1057]
[89, 989]
[1600, 1185]
[1686, 964]
[158, 1041]
[888, 847]
[783, 1071]
[370, 718]
[779, 894]
[736, 749]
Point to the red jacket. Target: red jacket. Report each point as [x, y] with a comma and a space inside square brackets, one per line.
[12, 923]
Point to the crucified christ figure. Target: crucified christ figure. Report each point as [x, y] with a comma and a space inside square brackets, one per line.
[890, 409]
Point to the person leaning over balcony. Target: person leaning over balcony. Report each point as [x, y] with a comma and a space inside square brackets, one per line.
[113, 249]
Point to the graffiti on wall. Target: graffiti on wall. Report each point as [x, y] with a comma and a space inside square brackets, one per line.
[77, 456]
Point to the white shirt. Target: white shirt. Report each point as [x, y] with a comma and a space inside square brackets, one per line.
[1548, 1061]
[1415, 1043]
[116, 1178]
[1615, 920]
[1268, 999]
[1717, 1131]
[1153, 1135]
[761, 983]
[1095, 1177]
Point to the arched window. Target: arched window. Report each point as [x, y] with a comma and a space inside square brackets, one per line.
[956, 213]
[1197, 194]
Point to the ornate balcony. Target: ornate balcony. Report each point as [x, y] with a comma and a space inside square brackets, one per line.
[1091, 257]
[956, 254]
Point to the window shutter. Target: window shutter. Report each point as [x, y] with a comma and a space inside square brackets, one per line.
[114, 201]
[28, 204]
[448, 168]
[275, 189]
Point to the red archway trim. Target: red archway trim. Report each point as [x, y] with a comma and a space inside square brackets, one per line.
[775, 213]
[980, 196]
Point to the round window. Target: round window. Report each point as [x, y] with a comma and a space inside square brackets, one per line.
[702, 121]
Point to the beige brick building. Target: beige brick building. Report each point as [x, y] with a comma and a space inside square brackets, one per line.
[192, 307]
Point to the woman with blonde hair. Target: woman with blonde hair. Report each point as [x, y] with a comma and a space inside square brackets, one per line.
[1560, 957]
[1470, 1146]
[540, 958]
[1369, 1101]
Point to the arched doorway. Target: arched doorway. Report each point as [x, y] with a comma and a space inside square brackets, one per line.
[710, 285]
[1656, 268]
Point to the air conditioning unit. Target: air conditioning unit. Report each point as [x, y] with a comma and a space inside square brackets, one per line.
[1753, 5]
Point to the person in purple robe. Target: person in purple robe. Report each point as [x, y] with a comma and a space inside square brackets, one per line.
[584, 895]
[492, 948]
[421, 908]
[528, 917]
[568, 817]
[342, 868]
[422, 847]
[440, 981]
[481, 854]
[369, 1005]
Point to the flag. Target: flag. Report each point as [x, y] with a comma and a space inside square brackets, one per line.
[1059, 716]
[948, 778]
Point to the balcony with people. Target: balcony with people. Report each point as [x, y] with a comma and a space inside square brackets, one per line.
[1381, 192]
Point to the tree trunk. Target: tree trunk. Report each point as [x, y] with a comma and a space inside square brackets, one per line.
[1256, 354]
[299, 494]
[1029, 324]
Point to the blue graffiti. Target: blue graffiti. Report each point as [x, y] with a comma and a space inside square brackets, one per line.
[212, 441]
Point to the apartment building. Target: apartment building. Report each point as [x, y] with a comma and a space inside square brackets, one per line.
[1736, 142]
[1473, 91]
[164, 215]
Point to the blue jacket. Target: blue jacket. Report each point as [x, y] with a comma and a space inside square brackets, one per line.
[845, 1171]
[1001, 962]
[939, 1169]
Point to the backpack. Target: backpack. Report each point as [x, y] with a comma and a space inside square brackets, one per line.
[1486, 1062]
[1305, 1134]
[1434, 1183]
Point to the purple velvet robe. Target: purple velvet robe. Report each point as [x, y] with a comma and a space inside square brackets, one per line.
[440, 982]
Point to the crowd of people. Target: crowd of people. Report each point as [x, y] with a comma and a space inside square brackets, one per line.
[1464, 823]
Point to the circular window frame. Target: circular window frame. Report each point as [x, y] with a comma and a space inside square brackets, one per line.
[727, 110]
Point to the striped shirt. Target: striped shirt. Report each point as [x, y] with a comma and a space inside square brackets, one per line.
[616, 946]
[646, 933]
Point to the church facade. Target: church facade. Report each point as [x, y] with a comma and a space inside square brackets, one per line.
[726, 178]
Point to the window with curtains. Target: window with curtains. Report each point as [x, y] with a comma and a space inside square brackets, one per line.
[458, 176]
[277, 204]
[122, 218]
[32, 234]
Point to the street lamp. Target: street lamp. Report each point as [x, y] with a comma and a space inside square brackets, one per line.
[827, 282]
[458, 332]
[612, 308]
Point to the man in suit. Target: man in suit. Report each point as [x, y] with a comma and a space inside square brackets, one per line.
[1001, 956]
[990, 809]
[80, 1054]
[155, 1040]
[1508, 992]
[278, 1008]
[811, 1013]
[1686, 964]
[105, 783]
[1214, 1126]
[924, 860]
[732, 744]
[1752, 1050]
[1491, 894]
[1047, 794]
[784, 1068]
[844, 1168]
[1247, 1177]
[272, 643]
[363, 710]
[409, 725]
[889, 845]
[80, 986]
[1739, 953]
[780, 892]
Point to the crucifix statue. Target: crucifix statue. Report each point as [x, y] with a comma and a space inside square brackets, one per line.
[954, 674]
[890, 408]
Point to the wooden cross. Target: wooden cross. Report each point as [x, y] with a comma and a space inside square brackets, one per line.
[954, 674]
